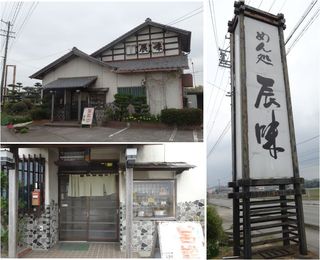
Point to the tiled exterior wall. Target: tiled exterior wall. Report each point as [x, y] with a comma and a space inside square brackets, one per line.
[144, 231]
[41, 232]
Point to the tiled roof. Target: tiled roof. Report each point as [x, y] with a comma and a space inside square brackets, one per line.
[65, 58]
[74, 82]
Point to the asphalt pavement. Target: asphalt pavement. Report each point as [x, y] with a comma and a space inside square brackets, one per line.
[46, 134]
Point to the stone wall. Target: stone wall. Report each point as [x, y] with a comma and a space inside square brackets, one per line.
[144, 230]
[41, 232]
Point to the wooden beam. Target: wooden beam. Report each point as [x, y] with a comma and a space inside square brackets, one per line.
[129, 211]
[13, 206]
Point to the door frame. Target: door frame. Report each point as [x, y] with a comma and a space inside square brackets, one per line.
[117, 239]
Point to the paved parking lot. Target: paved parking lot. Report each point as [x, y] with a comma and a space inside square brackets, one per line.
[101, 134]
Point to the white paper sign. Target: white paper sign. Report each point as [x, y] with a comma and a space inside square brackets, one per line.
[268, 128]
[181, 240]
[87, 117]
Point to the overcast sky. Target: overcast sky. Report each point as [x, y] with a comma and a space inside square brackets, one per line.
[304, 68]
[55, 27]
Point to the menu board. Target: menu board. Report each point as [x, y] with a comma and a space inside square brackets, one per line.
[181, 240]
[87, 116]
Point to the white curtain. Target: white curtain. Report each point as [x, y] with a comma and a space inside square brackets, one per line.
[91, 185]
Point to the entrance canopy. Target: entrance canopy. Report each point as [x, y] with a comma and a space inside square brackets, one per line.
[74, 82]
[178, 167]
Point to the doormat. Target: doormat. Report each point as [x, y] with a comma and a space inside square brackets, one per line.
[74, 246]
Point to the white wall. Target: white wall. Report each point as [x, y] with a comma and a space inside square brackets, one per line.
[53, 175]
[163, 88]
[191, 184]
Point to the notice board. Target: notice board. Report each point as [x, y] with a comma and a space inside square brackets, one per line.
[87, 117]
[181, 240]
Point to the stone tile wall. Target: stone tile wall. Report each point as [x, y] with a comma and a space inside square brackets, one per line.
[41, 232]
[144, 231]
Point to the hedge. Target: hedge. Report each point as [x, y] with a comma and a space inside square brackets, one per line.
[7, 119]
[181, 117]
[38, 113]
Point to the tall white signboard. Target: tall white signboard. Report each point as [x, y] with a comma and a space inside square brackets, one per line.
[268, 136]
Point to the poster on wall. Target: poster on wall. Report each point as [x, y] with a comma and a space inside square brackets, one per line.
[87, 117]
[269, 148]
[181, 240]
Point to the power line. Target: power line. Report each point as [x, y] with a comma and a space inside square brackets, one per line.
[217, 112]
[282, 6]
[173, 21]
[225, 130]
[271, 5]
[307, 26]
[18, 9]
[308, 140]
[260, 3]
[213, 22]
[187, 17]
[26, 19]
[305, 14]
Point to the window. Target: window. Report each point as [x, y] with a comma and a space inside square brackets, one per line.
[143, 48]
[97, 100]
[31, 176]
[157, 47]
[131, 49]
[133, 91]
[154, 199]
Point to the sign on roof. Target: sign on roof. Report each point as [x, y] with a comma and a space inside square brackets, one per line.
[181, 240]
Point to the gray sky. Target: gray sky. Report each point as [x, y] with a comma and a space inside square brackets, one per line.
[303, 67]
[55, 27]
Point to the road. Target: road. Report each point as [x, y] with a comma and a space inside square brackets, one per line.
[310, 209]
[40, 133]
[311, 212]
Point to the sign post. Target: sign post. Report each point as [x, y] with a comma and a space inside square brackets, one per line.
[265, 167]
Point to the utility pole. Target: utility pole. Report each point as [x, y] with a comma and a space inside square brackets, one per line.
[7, 35]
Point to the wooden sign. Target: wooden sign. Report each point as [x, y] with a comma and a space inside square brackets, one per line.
[87, 117]
[262, 130]
[181, 240]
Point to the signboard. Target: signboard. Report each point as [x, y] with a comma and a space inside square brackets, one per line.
[87, 116]
[181, 240]
[263, 88]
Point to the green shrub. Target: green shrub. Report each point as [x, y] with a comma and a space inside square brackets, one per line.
[215, 233]
[181, 117]
[24, 130]
[7, 119]
[19, 108]
[38, 113]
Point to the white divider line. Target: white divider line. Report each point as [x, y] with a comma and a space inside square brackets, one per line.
[195, 136]
[118, 132]
[173, 135]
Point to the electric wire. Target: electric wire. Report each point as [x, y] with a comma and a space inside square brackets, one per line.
[213, 22]
[260, 4]
[183, 16]
[223, 133]
[303, 31]
[303, 17]
[271, 5]
[308, 140]
[186, 18]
